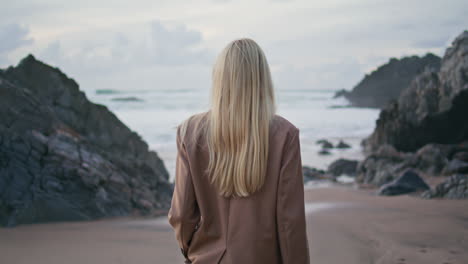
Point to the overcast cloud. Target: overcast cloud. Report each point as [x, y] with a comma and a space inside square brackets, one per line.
[12, 36]
[172, 44]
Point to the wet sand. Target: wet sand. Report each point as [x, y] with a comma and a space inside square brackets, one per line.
[344, 226]
[365, 228]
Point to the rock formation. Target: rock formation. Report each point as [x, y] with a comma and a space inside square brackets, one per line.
[65, 158]
[343, 167]
[385, 164]
[324, 143]
[388, 81]
[409, 181]
[455, 187]
[425, 130]
[313, 174]
[342, 145]
[434, 108]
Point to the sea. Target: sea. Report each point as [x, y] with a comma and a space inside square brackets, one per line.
[154, 115]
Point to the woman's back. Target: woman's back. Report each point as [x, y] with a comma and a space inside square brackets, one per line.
[267, 226]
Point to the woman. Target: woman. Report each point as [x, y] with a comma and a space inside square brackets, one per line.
[239, 194]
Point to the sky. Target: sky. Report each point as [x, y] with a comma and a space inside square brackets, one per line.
[172, 44]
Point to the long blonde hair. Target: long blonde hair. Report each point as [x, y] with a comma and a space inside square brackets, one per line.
[237, 131]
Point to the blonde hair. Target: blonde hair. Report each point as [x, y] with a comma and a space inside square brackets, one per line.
[237, 127]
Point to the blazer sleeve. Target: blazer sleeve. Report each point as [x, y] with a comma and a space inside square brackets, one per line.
[184, 214]
[290, 206]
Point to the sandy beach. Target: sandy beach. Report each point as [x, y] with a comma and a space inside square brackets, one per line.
[344, 226]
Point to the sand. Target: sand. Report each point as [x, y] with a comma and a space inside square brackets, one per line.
[344, 226]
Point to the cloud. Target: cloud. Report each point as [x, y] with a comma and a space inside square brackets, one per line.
[177, 45]
[155, 43]
[311, 44]
[142, 56]
[334, 75]
[12, 36]
[432, 42]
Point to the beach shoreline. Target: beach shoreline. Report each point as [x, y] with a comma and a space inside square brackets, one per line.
[344, 225]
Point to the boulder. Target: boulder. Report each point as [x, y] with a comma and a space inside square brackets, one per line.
[455, 187]
[408, 182]
[386, 163]
[64, 158]
[432, 109]
[456, 166]
[311, 174]
[343, 167]
[382, 166]
[388, 81]
[432, 158]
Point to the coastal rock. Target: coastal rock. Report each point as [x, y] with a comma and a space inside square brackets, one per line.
[311, 174]
[433, 109]
[343, 167]
[455, 187]
[463, 156]
[432, 158]
[342, 145]
[389, 80]
[386, 163]
[382, 166]
[324, 152]
[456, 166]
[325, 144]
[64, 158]
[341, 93]
[127, 99]
[408, 182]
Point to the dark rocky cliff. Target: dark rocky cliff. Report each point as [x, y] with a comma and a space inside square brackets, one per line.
[65, 158]
[425, 131]
[389, 80]
[434, 108]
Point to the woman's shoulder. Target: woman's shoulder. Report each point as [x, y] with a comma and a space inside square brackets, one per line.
[195, 118]
[191, 125]
[283, 125]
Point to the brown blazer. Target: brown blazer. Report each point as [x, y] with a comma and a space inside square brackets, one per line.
[267, 227]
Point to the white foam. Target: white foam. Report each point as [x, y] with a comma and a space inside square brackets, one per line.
[315, 207]
[345, 179]
[317, 184]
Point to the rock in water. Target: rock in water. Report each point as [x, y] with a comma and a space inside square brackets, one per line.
[343, 167]
[127, 99]
[388, 81]
[342, 145]
[408, 182]
[455, 187]
[65, 158]
[324, 152]
[432, 110]
[341, 93]
[325, 143]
